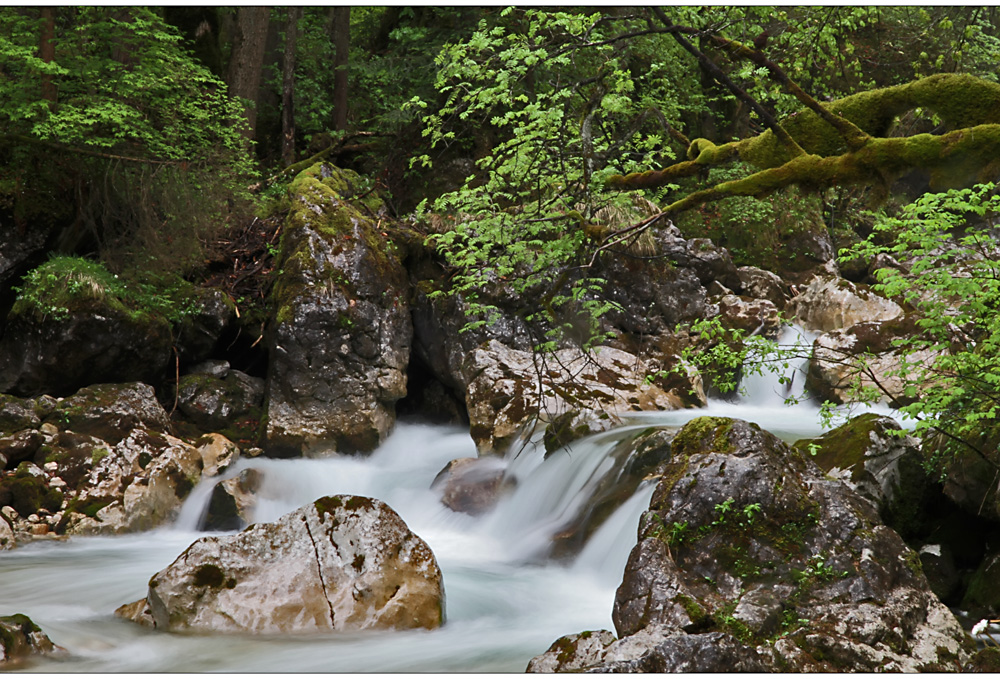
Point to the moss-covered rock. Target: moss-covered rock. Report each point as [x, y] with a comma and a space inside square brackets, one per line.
[747, 547]
[20, 640]
[221, 403]
[110, 411]
[340, 328]
[75, 324]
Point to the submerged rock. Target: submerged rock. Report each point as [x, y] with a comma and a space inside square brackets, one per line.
[470, 485]
[750, 558]
[341, 563]
[20, 640]
[340, 330]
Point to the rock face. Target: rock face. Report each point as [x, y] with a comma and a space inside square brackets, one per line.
[881, 466]
[833, 303]
[341, 563]
[863, 355]
[510, 390]
[749, 558]
[215, 402]
[91, 345]
[20, 639]
[341, 331]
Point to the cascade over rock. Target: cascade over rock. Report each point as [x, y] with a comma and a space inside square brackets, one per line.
[341, 563]
[750, 558]
[340, 332]
[510, 390]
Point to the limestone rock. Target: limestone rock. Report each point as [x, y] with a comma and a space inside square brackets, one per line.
[111, 411]
[341, 563]
[753, 316]
[762, 284]
[511, 390]
[20, 640]
[232, 503]
[833, 303]
[341, 331]
[573, 652]
[213, 403]
[881, 466]
[864, 355]
[94, 343]
[749, 557]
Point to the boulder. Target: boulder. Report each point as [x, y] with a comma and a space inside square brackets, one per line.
[20, 640]
[751, 558]
[881, 465]
[95, 342]
[863, 356]
[753, 316]
[22, 413]
[210, 312]
[510, 391]
[833, 303]
[110, 411]
[232, 502]
[215, 402]
[342, 563]
[340, 330]
[762, 284]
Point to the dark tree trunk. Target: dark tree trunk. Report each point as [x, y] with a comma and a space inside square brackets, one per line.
[47, 50]
[288, 88]
[342, 43]
[246, 63]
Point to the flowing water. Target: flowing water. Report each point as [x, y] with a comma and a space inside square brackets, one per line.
[506, 602]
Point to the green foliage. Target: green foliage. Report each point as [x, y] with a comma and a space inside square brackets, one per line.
[951, 276]
[64, 283]
[139, 139]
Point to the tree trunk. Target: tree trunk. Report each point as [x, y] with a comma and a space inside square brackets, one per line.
[341, 42]
[288, 87]
[47, 51]
[246, 63]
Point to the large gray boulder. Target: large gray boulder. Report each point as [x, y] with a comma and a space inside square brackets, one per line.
[751, 558]
[342, 563]
[340, 330]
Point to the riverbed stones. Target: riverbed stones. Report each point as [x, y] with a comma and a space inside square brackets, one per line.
[510, 391]
[833, 303]
[341, 563]
[340, 332]
[749, 547]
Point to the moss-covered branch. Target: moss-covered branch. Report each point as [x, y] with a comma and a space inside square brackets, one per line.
[969, 152]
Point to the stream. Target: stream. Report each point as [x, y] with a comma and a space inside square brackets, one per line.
[505, 601]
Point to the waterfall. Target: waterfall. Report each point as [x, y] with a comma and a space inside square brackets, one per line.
[506, 599]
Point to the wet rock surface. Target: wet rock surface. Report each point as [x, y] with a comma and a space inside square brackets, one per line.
[834, 303]
[749, 557]
[511, 390]
[341, 331]
[21, 640]
[342, 563]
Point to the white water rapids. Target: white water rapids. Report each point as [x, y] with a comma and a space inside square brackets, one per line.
[505, 602]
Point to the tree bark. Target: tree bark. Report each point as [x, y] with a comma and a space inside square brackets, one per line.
[288, 88]
[246, 63]
[47, 51]
[342, 43]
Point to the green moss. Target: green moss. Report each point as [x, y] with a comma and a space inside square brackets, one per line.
[702, 435]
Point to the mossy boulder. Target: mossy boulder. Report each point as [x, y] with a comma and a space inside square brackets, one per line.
[110, 411]
[342, 563]
[881, 464]
[73, 325]
[27, 490]
[20, 640]
[219, 403]
[750, 555]
[340, 328]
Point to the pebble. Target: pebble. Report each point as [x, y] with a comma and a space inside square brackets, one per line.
[49, 428]
[10, 513]
[56, 482]
[51, 466]
[40, 529]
